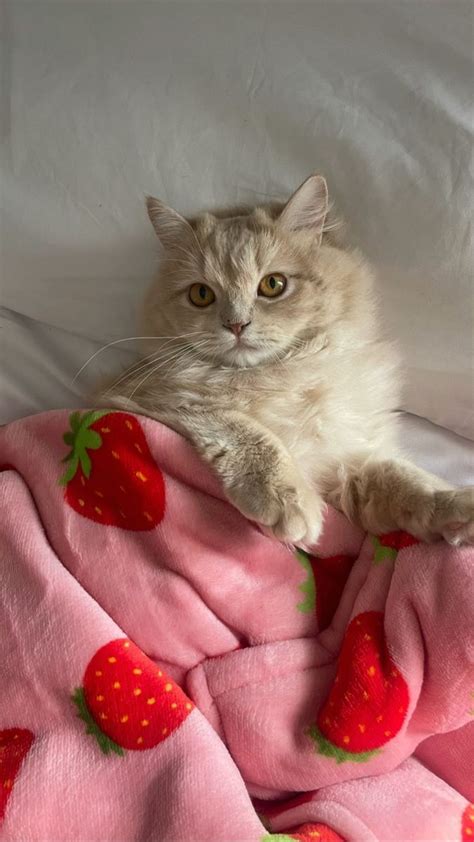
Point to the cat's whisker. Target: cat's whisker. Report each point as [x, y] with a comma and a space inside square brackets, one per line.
[140, 365]
[125, 339]
[104, 348]
[156, 368]
[154, 359]
[144, 379]
[184, 361]
[151, 359]
[191, 351]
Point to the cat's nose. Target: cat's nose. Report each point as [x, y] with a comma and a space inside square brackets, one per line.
[236, 327]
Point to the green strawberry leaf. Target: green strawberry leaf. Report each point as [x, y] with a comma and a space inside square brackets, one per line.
[106, 745]
[75, 420]
[381, 552]
[340, 755]
[86, 463]
[91, 439]
[277, 837]
[308, 587]
[70, 473]
[80, 439]
[91, 417]
[115, 748]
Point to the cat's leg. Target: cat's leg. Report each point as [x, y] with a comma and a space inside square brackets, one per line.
[257, 473]
[383, 495]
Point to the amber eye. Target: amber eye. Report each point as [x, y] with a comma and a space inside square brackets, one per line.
[272, 286]
[201, 295]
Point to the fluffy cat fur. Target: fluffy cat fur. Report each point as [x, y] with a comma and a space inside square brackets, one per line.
[297, 407]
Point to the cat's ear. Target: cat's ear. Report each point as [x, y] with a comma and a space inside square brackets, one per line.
[170, 227]
[307, 207]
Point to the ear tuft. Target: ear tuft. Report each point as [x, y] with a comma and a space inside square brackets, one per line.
[307, 207]
[170, 227]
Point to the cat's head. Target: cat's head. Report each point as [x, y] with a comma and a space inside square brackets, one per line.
[242, 288]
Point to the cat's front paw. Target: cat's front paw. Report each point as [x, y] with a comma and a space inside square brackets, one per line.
[300, 520]
[291, 512]
[453, 516]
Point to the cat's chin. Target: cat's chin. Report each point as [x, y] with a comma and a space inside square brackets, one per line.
[244, 356]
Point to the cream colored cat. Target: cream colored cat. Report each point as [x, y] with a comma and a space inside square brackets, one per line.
[269, 357]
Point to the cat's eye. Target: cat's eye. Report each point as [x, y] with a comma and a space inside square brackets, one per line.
[201, 295]
[271, 286]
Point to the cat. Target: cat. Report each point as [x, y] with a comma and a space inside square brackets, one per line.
[269, 357]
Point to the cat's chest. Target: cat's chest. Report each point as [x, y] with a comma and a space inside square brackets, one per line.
[297, 418]
[303, 408]
[290, 401]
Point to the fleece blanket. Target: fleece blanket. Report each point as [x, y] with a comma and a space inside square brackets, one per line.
[170, 673]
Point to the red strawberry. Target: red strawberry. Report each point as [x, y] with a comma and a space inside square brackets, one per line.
[387, 546]
[368, 701]
[308, 832]
[15, 744]
[127, 701]
[112, 477]
[315, 833]
[324, 584]
[468, 824]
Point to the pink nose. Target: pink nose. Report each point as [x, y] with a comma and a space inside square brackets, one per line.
[237, 327]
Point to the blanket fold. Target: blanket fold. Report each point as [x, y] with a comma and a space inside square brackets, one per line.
[163, 661]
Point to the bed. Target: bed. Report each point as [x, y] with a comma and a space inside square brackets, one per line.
[201, 104]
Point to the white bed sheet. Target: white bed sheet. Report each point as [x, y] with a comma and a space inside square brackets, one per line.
[203, 103]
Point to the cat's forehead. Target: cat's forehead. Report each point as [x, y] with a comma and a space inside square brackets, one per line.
[237, 248]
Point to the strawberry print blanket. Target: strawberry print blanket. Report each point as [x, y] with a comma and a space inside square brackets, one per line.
[170, 674]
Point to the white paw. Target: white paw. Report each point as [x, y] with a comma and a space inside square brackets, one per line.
[300, 521]
[292, 513]
[454, 516]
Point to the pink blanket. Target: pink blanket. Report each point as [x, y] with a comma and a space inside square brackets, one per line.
[169, 673]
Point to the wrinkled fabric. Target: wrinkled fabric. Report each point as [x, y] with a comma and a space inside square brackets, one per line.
[164, 662]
